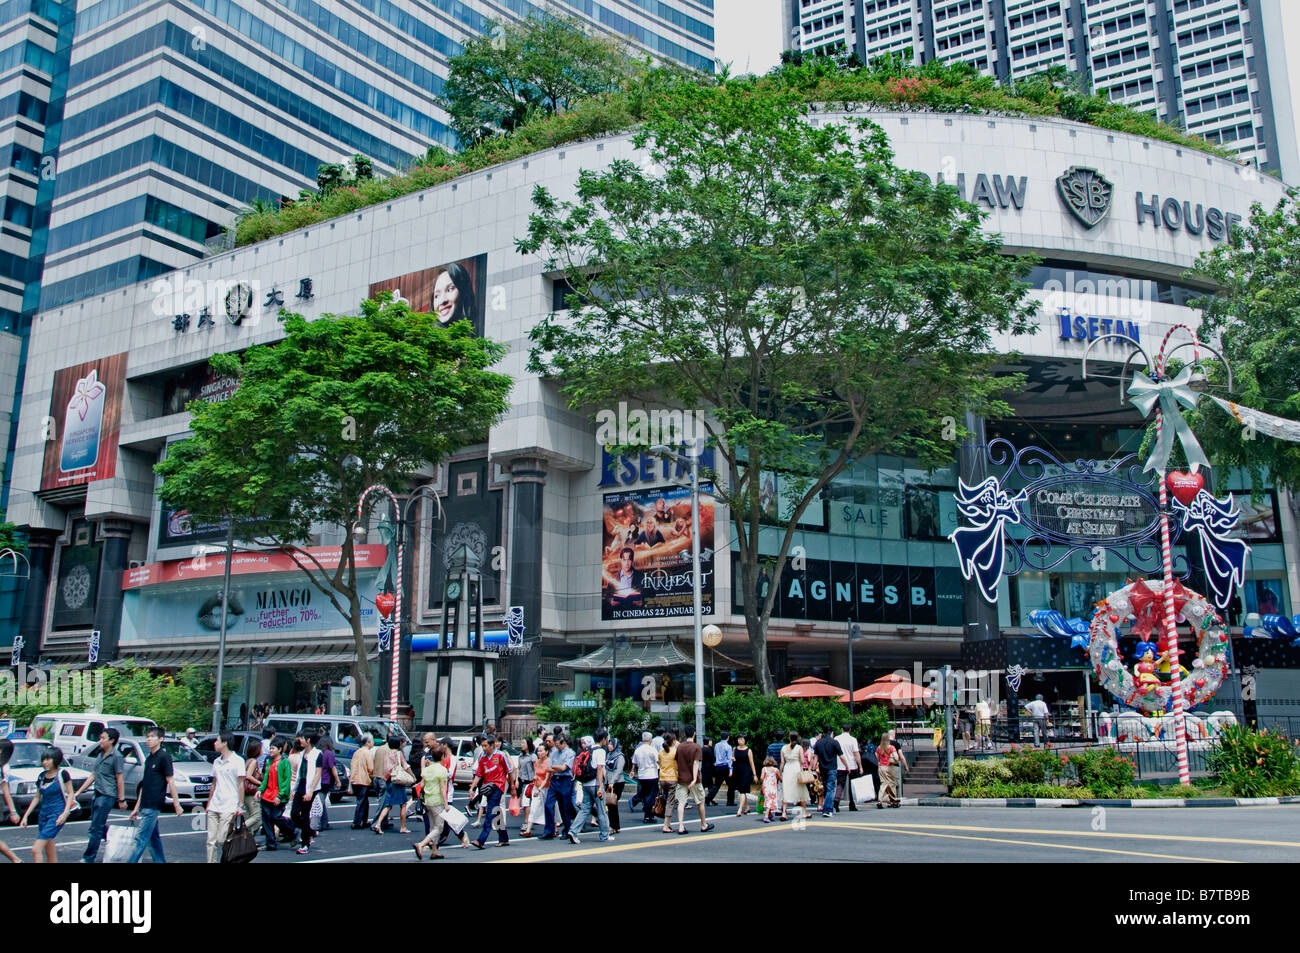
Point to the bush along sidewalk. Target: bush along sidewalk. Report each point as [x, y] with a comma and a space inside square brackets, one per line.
[1246, 764]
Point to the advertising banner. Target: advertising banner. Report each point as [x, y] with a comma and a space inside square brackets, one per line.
[452, 291]
[86, 411]
[646, 554]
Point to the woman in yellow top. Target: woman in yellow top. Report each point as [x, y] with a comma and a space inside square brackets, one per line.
[668, 777]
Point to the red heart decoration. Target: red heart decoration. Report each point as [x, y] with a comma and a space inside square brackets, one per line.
[384, 602]
[1114, 618]
[1200, 683]
[1185, 486]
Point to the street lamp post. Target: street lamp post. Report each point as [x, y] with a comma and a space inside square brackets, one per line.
[855, 630]
[696, 596]
[401, 512]
[225, 610]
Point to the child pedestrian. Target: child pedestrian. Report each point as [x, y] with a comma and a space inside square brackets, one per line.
[771, 788]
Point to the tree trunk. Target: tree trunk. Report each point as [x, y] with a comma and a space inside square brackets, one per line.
[754, 625]
[365, 686]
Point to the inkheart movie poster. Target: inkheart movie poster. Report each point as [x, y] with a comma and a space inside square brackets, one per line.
[646, 560]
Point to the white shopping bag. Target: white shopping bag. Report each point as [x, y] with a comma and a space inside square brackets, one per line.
[577, 796]
[121, 839]
[864, 789]
[454, 818]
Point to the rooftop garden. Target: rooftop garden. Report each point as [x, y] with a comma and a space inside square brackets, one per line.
[884, 84]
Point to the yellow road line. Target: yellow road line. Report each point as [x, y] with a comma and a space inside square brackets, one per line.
[1026, 843]
[669, 840]
[871, 825]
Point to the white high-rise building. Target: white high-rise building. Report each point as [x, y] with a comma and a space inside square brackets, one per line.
[1217, 67]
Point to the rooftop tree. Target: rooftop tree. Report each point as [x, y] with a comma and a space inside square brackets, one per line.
[540, 65]
[1255, 314]
[338, 404]
[784, 277]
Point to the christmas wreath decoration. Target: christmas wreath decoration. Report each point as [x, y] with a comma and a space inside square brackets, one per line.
[1142, 602]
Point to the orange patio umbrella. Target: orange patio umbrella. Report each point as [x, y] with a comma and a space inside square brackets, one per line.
[811, 687]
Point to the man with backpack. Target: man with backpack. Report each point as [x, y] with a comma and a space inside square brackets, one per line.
[589, 771]
[493, 773]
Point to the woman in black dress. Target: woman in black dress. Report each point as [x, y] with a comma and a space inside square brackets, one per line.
[742, 773]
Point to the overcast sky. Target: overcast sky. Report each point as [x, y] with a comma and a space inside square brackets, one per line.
[748, 34]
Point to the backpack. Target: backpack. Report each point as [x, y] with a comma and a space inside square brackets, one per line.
[583, 769]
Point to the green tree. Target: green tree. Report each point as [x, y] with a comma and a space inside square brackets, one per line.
[174, 702]
[1255, 312]
[337, 405]
[815, 302]
[542, 64]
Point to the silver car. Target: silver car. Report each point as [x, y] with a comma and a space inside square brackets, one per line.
[191, 771]
[24, 768]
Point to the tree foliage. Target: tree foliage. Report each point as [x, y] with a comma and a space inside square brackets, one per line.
[337, 405]
[763, 719]
[540, 65]
[787, 280]
[1255, 314]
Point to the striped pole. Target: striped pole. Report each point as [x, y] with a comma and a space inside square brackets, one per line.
[396, 642]
[1171, 630]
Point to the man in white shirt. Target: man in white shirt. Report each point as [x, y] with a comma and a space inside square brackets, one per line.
[850, 765]
[645, 762]
[226, 802]
[658, 742]
[593, 788]
[1039, 710]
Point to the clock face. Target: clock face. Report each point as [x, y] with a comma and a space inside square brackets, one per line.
[453, 590]
[238, 300]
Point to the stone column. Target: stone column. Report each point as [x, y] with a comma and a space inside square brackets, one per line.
[40, 558]
[527, 484]
[116, 537]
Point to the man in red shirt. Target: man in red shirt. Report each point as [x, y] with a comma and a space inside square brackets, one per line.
[494, 772]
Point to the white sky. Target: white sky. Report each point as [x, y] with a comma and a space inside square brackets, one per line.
[747, 34]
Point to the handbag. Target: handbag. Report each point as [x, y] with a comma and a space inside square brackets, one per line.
[805, 776]
[241, 846]
[515, 807]
[659, 806]
[121, 839]
[401, 774]
[317, 815]
[864, 788]
[454, 818]
[611, 799]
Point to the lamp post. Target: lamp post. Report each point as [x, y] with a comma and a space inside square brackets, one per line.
[225, 610]
[668, 453]
[400, 512]
[712, 637]
[855, 631]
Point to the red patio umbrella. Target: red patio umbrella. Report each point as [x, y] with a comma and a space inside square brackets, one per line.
[895, 691]
[811, 687]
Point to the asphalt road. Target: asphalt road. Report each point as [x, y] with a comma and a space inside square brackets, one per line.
[926, 835]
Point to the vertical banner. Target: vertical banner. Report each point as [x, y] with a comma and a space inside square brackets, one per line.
[86, 412]
[646, 554]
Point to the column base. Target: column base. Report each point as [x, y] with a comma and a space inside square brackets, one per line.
[519, 721]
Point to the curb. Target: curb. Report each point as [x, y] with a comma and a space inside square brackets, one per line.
[1031, 802]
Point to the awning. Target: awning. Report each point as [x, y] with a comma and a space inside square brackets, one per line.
[235, 656]
[654, 655]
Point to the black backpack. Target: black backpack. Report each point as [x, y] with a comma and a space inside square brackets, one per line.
[583, 769]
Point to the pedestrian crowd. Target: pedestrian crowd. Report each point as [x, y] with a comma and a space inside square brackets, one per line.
[280, 789]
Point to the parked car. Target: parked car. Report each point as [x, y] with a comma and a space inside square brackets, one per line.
[243, 739]
[23, 768]
[75, 732]
[192, 772]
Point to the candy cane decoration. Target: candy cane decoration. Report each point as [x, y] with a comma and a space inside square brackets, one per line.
[395, 644]
[1171, 630]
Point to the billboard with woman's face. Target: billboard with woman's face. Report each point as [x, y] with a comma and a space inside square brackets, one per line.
[455, 291]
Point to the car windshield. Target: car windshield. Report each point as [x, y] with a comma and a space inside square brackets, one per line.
[380, 730]
[27, 755]
[182, 752]
[129, 728]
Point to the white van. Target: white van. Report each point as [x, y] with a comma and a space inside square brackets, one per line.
[74, 732]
